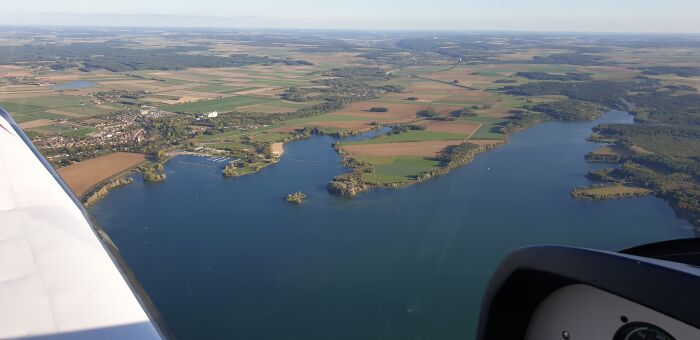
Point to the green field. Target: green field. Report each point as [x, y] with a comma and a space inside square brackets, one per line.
[163, 96]
[21, 109]
[31, 108]
[329, 130]
[53, 102]
[65, 130]
[324, 118]
[175, 82]
[216, 89]
[221, 104]
[490, 128]
[25, 117]
[421, 70]
[227, 137]
[462, 101]
[268, 136]
[232, 146]
[79, 132]
[236, 90]
[234, 137]
[398, 169]
[412, 136]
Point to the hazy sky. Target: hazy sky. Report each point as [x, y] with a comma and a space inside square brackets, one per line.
[531, 15]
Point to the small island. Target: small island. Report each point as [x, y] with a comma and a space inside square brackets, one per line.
[154, 173]
[230, 170]
[296, 197]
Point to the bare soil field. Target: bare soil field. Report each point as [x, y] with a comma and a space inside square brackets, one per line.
[277, 149]
[187, 96]
[423, 97]
[65, 113]
[35, 123]
[396, 111]
[358, 126]
[287, 129]
[467, 128]
[83, 176]
[425, 149]
[62, 78]
[22, 91]
[13, 71]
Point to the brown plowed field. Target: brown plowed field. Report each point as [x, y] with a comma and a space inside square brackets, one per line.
[426, 149]
[83, 176]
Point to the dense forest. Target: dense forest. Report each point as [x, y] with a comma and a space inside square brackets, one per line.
[604, 92]
[682, 71]
[664, 142]
[570, 110]
[117, 58]
[666, 107]
[571, 59]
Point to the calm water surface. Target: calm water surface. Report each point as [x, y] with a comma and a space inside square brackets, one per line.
[227, 258]
[78, 84]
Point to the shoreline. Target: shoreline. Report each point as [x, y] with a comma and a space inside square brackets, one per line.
[354, 184]
[102, 189]
[351, 183]
[75, 178]
[606, 192]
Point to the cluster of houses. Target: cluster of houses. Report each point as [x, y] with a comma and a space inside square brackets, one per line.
[212, 114]
[154, 112]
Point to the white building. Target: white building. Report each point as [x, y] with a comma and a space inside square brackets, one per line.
[213, 114]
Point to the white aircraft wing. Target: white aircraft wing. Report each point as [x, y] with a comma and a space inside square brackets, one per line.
[60, 277]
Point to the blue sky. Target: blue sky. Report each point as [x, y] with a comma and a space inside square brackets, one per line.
[533, 15]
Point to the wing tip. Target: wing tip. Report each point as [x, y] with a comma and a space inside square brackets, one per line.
[134, 285]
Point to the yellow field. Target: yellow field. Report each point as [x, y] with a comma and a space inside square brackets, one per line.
[81, 177]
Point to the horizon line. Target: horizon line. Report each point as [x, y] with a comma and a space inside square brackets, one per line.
[341, 29]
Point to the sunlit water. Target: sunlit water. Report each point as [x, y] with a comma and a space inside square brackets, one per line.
[228, 258]
[78, 84]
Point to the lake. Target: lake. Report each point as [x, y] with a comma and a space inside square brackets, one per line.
[226, 258]
[78, 84]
